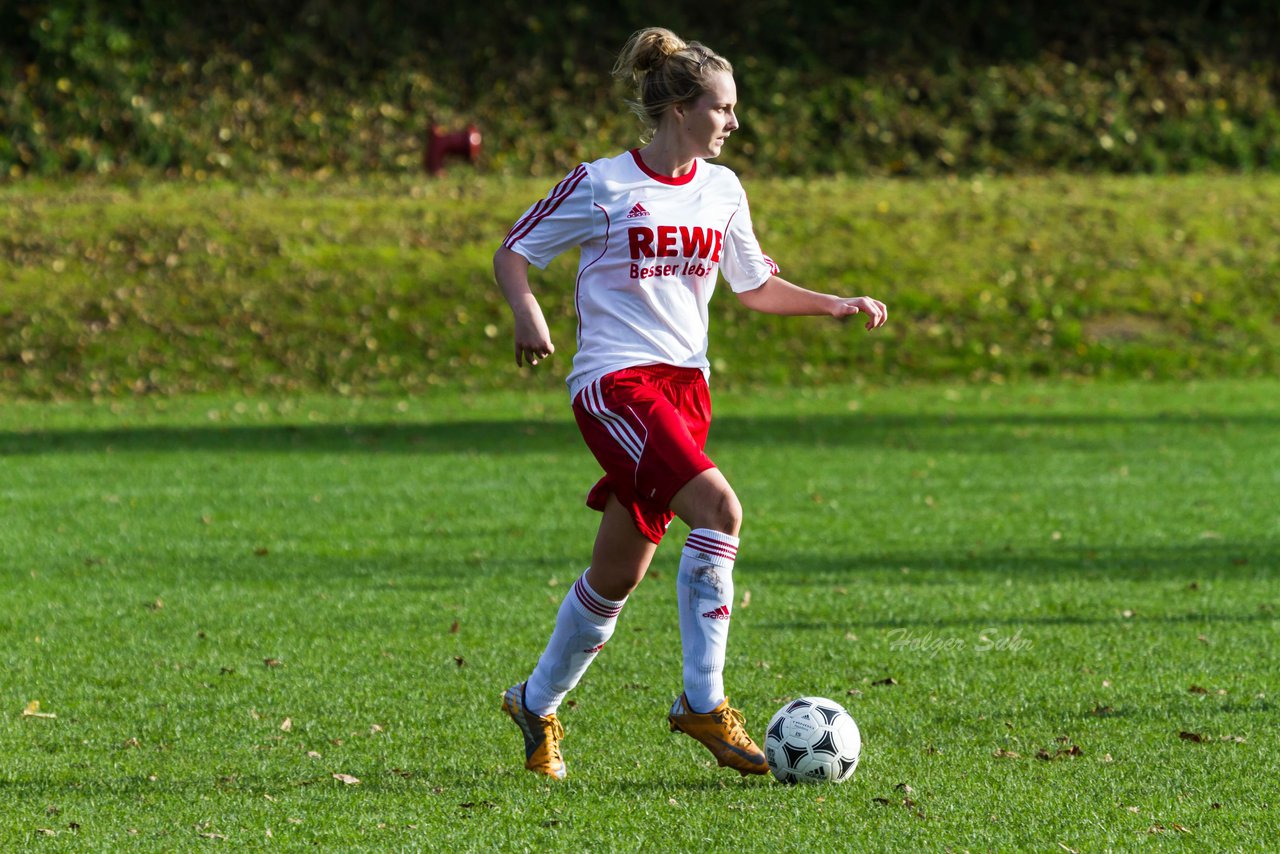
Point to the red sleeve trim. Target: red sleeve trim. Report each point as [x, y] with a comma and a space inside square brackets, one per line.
[545, 208]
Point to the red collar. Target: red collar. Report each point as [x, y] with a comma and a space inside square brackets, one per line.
[664, 179]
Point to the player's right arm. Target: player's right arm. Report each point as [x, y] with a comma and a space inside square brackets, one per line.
[562, 220]
[532, 337]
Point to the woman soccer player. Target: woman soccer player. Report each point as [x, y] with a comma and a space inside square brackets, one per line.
[654, 226]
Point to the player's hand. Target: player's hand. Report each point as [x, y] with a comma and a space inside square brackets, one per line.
[875, 310]
[533, 341]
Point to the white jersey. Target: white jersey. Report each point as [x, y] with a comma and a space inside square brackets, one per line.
[651, 246]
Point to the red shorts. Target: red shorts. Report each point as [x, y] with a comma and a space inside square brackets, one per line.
[647, 427]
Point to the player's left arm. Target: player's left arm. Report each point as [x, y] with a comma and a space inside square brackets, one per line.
[778, 296]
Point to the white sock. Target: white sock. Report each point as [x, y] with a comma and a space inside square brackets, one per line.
[705, 588]
[585, 621]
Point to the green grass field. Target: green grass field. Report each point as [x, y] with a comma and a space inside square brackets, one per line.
[221, 603]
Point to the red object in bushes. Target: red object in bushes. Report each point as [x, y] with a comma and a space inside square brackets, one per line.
[463, 143]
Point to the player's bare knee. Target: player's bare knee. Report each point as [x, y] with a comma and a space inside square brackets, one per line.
[724, 514]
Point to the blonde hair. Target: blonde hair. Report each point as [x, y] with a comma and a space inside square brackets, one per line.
[666, 71]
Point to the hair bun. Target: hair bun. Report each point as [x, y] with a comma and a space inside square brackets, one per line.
[646, 50]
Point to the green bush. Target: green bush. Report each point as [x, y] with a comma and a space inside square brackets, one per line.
[350, 88]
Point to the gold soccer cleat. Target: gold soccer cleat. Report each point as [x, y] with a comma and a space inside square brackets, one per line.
[541, 735]
[723, 732]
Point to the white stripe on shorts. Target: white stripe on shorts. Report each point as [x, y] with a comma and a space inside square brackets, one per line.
[618, 428]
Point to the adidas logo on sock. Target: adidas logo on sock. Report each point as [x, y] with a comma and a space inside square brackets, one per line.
[721, 613]
[636, 211]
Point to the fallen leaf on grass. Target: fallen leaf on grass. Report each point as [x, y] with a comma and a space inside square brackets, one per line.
[1001, 753]
[459, 660]
[286, 725]
[347, 779]
[1160, 828]
[1065, 848]
[1073, 750]
[888, 680]
[1196, 689]
[453, 629]
[271, 662]
[1191, 736]
[32, 710]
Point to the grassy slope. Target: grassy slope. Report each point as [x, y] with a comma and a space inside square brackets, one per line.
[1036, 566]
[371, 286]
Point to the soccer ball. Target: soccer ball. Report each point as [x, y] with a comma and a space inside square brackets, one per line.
[812, 740]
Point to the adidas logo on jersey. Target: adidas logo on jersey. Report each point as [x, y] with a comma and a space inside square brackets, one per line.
[721, 613]
[637, 210]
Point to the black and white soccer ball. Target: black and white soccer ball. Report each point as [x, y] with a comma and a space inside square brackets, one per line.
[812, 740]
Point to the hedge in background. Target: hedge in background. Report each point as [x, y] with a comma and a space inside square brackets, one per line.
[883, 88]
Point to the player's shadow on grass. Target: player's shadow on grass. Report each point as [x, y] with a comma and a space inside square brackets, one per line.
[1015, 433]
